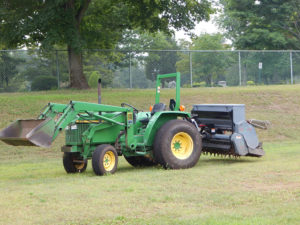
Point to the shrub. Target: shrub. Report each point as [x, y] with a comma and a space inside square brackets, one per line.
[106, 76]
[44, 83]
[199, 84]
[186, 86]
[93, 79]
[250, 83]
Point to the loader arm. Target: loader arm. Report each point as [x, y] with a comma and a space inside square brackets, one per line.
[52, 110]
[55, 118]
[73, 111]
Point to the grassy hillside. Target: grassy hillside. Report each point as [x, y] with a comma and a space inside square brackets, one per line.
[34, 188]
[279, 104]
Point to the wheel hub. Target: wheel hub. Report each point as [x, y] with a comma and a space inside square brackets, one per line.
[182, 145]
[109, 160]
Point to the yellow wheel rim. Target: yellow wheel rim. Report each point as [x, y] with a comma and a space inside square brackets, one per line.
[109, 160]
[182, 145]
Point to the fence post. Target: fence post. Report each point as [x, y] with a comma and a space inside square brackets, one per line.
[57, 69]
[240, 69]
[191, 69]
[130, 78]
[292, 72]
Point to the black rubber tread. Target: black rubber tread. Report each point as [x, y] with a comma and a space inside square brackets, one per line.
[162, 145]
[97, 159]
[140, 161]
[69, 165]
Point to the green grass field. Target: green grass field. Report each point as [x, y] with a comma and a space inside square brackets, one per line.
[34, 188]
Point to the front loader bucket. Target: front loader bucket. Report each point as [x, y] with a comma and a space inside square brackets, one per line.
[29, 133]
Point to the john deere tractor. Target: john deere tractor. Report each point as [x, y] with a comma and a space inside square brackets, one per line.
[166, 135]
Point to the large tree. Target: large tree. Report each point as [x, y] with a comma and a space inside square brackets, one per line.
[79, 24]
[262, 24]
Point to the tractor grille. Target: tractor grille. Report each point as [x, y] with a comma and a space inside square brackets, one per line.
[74, 133]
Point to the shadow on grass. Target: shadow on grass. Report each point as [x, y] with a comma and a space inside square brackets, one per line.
[229, 160]
[201, 163]
[129, 168]
[216, 161]
[61, 174]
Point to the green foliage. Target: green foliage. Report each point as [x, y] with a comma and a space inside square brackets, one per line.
[207, 66]
[85, 23]
[106, 63]
[93, 79]
[250, 83]
[154, 62]
[161, 62]
[39, 64]
[199, 84]
[44, 83]
[8, 68]
[79, 24]
[275, 67]
[106, 76]
[262, 24]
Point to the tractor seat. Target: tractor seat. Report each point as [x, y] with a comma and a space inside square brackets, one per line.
[156, 108]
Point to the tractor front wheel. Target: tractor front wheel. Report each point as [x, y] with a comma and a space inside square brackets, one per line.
[74, 163]
[105, 160]
[177, 145]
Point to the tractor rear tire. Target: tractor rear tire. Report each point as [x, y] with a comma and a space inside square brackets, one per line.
[105, 160]
[177, 145]
[140, 161]
[71, 166]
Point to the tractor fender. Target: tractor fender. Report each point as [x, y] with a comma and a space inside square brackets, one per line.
[159, 119]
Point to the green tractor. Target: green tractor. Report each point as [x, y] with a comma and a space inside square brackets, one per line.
[169, 137]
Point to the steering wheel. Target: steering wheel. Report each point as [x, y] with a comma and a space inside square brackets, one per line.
[135, 109]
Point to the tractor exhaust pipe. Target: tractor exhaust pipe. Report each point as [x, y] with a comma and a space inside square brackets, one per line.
[99, 91]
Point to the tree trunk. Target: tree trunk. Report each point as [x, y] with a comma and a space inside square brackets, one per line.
[6, 81]
[77, 78]
[208, 80]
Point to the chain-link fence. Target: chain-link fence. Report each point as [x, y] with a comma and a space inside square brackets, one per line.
[26, 70]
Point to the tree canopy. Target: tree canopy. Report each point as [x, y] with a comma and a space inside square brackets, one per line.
[262, 24]
[80, 24]
[153, 62]
[207, 66]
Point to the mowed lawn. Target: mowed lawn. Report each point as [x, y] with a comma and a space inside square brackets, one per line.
[34, 188]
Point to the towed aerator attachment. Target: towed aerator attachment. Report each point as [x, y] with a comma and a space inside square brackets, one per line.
[29, 133]
[225, 130]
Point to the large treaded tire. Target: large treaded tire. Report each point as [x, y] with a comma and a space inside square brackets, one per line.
[99, 163]
[140, 161]
[164, 139]
[71, 166]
